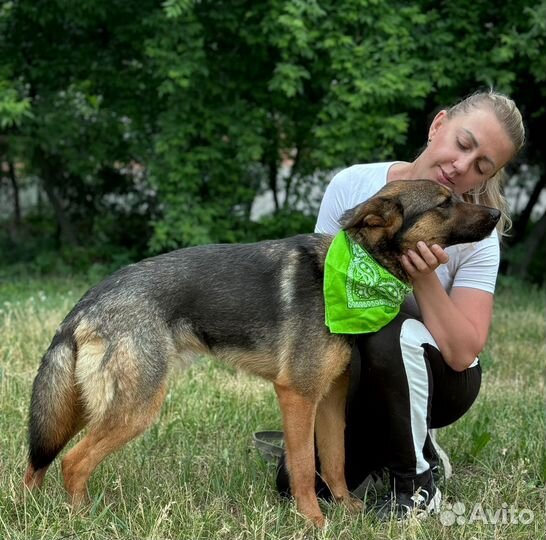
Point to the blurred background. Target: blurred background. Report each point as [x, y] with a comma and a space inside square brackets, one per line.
[131, 128]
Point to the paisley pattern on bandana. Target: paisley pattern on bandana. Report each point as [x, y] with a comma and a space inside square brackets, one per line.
[369, 284]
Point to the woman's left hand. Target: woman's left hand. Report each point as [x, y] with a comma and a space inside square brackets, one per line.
[424, 261]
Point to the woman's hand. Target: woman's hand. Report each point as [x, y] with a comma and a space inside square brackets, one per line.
[424, 261]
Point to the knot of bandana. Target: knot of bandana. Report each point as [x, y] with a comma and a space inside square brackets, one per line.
[360, 295]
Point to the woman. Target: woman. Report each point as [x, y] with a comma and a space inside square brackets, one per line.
[421, 371]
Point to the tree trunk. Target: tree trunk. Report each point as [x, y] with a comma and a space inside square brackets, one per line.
[531, 245]
[273, 184]
[49, 172]
[520, 226]
[16, 198]
[293, 171]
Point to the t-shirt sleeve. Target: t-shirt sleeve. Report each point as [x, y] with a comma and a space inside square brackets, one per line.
[479, 266]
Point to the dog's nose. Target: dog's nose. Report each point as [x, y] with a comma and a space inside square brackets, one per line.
[495, 214]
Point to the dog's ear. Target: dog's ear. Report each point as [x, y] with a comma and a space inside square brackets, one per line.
[386, 213]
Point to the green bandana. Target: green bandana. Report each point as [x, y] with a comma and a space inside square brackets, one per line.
[359, 294]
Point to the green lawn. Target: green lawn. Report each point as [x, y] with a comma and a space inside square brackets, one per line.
[195, 474]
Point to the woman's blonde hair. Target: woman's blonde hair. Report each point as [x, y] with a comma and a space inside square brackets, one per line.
[490, 192]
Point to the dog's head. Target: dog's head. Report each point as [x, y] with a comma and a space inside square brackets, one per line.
[407, 211]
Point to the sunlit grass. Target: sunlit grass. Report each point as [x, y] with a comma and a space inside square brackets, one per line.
[195, 474]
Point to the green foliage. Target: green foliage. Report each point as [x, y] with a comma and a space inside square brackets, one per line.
[248, 86]
[188, 110]
[536, 272]
[117, 239]
[285, 223]
[80, 67]
[13, 108]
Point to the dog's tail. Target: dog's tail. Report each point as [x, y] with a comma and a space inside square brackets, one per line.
[55, 415]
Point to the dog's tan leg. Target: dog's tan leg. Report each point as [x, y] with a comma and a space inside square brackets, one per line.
[34, 478]
[298, 415]
[330, 432]
[103, 439]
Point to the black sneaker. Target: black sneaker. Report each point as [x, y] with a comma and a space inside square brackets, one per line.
[400, 506]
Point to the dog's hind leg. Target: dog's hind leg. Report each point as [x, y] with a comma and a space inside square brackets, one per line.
[330, 433]
[298, 415]
[118, 427]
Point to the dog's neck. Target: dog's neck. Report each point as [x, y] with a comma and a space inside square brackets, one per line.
[392, 264]
[384, 252]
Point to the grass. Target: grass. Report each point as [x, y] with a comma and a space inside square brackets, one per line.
[195, 474]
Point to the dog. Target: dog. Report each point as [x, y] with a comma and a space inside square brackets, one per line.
[258, 307]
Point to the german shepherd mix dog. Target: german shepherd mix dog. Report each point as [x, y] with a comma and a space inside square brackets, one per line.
[258, 307]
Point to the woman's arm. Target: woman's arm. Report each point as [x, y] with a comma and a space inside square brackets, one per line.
[459, 322]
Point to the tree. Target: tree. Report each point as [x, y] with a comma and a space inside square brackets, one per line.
[524, 45]
[251, 88]
[186, 110]
[82, 81]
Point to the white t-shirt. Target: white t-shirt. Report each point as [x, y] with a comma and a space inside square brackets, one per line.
[474, 265]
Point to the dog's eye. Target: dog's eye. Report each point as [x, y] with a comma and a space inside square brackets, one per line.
[445, 204]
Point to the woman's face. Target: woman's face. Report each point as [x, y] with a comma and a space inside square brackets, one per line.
[465, 150]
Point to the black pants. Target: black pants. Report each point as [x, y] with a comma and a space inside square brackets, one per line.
[400, 388]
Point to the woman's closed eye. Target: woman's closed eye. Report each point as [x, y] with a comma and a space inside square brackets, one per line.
[463, 145]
